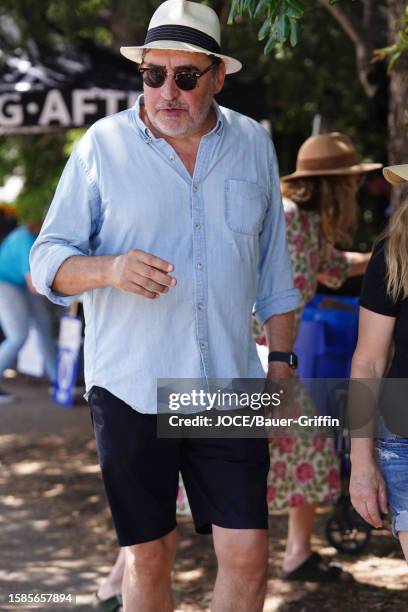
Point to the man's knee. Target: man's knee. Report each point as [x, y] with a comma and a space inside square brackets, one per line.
[243, 551]
[152, 560]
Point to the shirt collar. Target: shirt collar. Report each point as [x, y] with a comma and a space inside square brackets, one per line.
[147, 134]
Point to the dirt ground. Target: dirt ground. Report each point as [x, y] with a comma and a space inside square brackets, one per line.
[56, 534]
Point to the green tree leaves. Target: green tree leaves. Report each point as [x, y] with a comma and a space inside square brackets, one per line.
[281, 19]
[393, 52]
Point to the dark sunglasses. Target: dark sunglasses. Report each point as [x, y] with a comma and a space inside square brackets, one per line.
[184, 79]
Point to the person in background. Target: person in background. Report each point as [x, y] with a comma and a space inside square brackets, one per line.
[379, 470]
[108, 598]
[320, 209]
[21, 306]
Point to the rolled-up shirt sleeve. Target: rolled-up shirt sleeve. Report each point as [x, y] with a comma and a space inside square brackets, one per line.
[71, 220]
[276, 293]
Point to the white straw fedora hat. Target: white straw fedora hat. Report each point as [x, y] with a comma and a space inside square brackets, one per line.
[330, 154]
[180, 25]
[396, 174]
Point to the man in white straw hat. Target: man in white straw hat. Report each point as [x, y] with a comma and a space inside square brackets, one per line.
[168, 219]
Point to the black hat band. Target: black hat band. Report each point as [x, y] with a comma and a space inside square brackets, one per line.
[183, 34]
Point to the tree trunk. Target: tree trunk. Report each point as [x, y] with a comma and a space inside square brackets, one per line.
[398, 97]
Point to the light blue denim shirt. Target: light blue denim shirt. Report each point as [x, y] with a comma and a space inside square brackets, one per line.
[223, 229]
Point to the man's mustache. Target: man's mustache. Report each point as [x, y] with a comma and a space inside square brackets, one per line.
[171, 106]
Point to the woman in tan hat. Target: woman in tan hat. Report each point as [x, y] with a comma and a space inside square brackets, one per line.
[320, 209]
[379, 474]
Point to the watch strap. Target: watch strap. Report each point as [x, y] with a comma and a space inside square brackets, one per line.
[286, 357]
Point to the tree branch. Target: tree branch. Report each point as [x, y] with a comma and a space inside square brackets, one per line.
[361, 38]
[347, 24]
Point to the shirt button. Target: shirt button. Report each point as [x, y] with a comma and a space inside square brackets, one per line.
[202, 345]
[171, 157]
[200, 306]
[199, 266]
[197, 225]
[195, 188]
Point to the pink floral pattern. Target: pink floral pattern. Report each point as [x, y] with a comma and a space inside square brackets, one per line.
[286, 445]
[305, 471]
[313, 258]
[183, 507]
[333, 479]
[319, 443]
[279, 469]
[310, 472]
[296, 499]
[270, 493]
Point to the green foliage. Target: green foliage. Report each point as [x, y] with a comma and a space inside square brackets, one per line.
[71, 138]
[8, 159]
[393, 52]
[281, 19]
[281, 25]
[46, 21]
[40, 160]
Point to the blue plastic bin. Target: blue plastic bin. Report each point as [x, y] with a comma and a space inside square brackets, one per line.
[327, 337]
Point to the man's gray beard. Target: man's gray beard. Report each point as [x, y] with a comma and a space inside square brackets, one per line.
[186, 130]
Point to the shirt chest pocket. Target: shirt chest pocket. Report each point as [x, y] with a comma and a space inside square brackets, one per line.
[245, 205]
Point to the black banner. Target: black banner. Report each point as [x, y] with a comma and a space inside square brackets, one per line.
[60, 108]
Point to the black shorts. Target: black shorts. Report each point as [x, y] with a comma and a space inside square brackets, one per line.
[225, 479]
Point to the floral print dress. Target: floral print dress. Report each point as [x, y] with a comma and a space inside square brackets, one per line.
[306, 469]
[302, 469]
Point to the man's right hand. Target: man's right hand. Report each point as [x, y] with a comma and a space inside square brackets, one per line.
[142, 273]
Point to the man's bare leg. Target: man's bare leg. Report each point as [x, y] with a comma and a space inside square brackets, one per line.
[146, 581]
[242, 556]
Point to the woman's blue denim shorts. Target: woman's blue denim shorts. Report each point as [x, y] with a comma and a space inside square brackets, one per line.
[392, 457]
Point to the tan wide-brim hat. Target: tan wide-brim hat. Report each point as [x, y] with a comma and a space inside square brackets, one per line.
[330, 154]
[180, 25]
[396, 174]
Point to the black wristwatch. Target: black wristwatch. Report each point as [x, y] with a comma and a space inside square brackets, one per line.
[289, 358]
